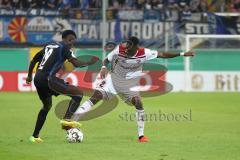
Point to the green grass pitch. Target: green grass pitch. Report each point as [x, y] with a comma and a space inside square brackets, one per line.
[211, 131]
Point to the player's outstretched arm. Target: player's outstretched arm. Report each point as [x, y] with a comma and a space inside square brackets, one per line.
[172, 55]
[78, 63]
[37, 58]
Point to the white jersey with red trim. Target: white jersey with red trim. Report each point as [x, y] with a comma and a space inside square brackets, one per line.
[125, 67]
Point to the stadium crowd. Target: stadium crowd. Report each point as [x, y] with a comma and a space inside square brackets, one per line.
[181, 5]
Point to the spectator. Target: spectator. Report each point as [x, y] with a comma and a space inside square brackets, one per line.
[121, 3]
[5, 4]
[95, 4]
[139, 4]
[172, 4]
[154, 4]
[129, 4]
[227, 6]
[186, 13]
[148, 5]
[171, 11]
[84, 4]
[75, 3]
[37, 4]
[183, 2]
[235, 6]
[194, 5]
[52, 4]
[199, 6]
[157, 4]
[203, 7]
[64, 4]
[114, 4]
[21, 4]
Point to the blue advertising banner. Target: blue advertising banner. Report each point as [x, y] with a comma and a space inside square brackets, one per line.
[40, 30]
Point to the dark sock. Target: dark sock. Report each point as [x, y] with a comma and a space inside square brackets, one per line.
[40, 121]
[72, 107]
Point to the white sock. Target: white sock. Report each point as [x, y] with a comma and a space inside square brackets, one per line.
[140, 122]
[85, 107]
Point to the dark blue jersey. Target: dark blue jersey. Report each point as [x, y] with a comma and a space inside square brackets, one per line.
[52, 57]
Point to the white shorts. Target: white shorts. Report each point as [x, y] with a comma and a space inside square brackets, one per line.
[109, 90]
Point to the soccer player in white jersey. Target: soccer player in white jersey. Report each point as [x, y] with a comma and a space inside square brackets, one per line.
[126, 67]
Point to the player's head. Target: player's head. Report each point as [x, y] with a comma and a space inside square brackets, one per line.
[131, 44]
[69, 37]
[134, 40]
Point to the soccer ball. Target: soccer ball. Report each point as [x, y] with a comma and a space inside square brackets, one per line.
[74, 135]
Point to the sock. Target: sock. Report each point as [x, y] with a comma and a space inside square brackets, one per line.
[140, 122]
[85, 107]
[72, 107]
[40, 121]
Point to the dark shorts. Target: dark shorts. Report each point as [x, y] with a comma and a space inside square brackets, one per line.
[48, 86]
[41, 83]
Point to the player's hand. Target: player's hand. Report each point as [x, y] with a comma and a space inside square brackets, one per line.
[189, 54]
[93, 60]
[103, 72]
[28, 80]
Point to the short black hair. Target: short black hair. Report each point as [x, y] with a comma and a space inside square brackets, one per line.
[134, 40]
[65, 33]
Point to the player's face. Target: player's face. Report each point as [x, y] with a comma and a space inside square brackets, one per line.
[70, 40]
[130, 49]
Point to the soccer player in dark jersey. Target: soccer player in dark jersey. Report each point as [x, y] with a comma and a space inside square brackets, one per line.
[50, 60]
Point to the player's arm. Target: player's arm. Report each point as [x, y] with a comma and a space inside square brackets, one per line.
[78, 63]
[107, 60]
[75, 61]
[172, 55]
[37, 58]
[104, 71]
